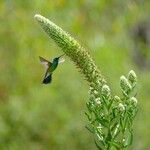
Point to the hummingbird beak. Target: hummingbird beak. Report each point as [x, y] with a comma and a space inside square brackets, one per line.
[61, 55]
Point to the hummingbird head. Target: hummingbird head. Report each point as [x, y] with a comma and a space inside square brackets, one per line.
[57, 58]
[60, 56]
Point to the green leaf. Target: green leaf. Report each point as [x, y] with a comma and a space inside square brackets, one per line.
[91, 129]
[88, 116]
[129, 139]
[103, 122]
[88, 105]
[114, 145]
[99, 145]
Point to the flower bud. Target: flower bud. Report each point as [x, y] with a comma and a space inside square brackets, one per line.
[124, 84]
[98, 82]
[105, 90]
[95, 92]
[132, 77]
[133, 101]
[97, 101]
[121, 107]
[117, 98]
[90, 90]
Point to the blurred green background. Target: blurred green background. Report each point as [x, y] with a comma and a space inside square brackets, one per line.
[38, 117]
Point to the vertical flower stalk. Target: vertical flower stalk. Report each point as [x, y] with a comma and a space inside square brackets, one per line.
[110, 117]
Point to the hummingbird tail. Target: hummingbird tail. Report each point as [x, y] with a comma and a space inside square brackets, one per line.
[48, 79]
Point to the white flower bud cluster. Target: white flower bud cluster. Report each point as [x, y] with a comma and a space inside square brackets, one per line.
[132, 77]
[98, 101]
[124, 84]
[90, 90]
[95, 92]
[121, 107]
[94, 96]
[133, 101]
[105, 90]
[117, 98]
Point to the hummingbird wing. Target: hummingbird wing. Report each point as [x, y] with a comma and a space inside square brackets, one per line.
[45, 62]
[61, 60]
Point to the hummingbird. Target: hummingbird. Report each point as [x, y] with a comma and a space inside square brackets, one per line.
[50, 67]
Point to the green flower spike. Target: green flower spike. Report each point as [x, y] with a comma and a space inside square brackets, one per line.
[74, 50]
